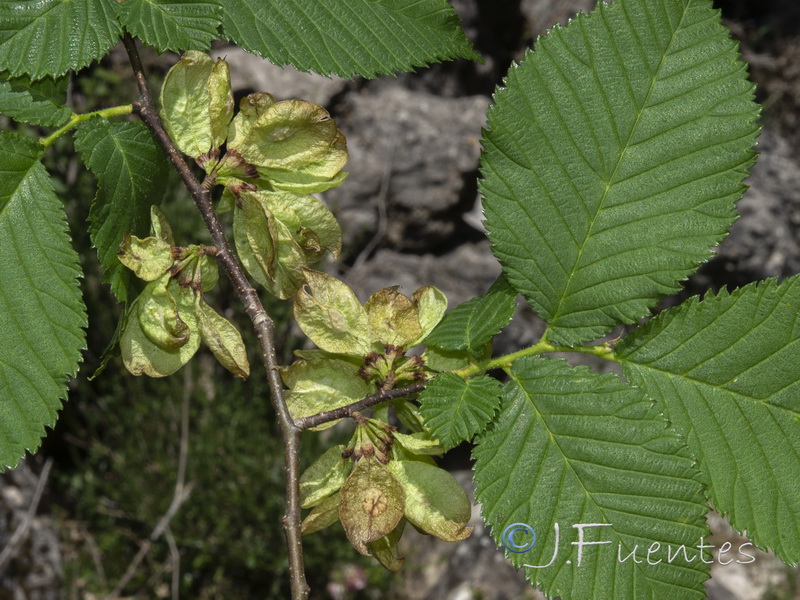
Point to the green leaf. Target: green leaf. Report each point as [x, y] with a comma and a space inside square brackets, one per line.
[726, 371]
[613, 159]
[50, 37]
[347, 37]
[41, 312]
[175, 25]
[132, 173]
[471, 324]
[573, 447]
[38, 103]
[455, 410]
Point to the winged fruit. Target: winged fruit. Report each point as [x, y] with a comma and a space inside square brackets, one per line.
[277, 233]
[197, 106]
[362, 348]
[165, 324]
[291, 145]
[276, 154]
[373, 492]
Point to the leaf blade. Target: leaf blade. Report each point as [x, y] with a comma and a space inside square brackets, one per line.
[41, 313]
[132, 173]
[359, 37]
[455, 410]
[53, 36]
[38, 103]
[606, 179]
[562, 451]
[724, 370]
[176, 25]
[470, 325]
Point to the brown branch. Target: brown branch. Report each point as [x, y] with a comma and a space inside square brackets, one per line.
[347, 411]
[262, 324]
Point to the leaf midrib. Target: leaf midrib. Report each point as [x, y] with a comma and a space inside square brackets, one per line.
[588, 495]
[576, 265]
[758, 537]
[671, 375]
[5, 201]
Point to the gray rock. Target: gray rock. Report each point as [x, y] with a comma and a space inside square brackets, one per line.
[33, 569]
[734, 577]
[541, 15]
[465, 272]
[254, 74]
[473, 568]
[413, 162]
[764, 242]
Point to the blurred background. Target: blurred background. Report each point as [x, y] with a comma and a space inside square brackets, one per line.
[107, 475]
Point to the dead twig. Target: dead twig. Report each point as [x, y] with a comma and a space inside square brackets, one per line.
[21, 533]
[175, 557]
[179, 496]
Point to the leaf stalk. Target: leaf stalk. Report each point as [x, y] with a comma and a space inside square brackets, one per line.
[604, 351]
[77, 119]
